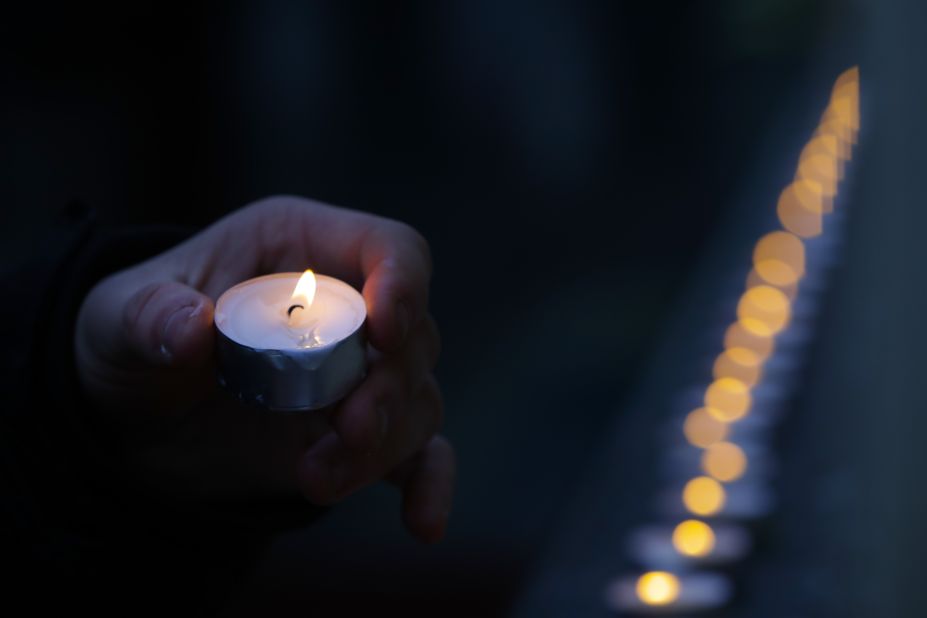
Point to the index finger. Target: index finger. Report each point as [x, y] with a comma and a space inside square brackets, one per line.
[390, 258]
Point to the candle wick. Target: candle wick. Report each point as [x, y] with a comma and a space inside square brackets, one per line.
[289, 312]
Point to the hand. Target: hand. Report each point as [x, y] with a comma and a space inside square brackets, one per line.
[144, 348]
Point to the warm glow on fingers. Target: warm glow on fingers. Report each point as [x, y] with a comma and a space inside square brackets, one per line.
[657, 588]
[724, 461]
[702, 429]
[727, 399]
[703, 496]
[693, 538]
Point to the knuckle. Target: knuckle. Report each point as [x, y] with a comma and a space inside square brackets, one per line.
[134, 310]
[390, 387]
[414, 238]
[282, 202]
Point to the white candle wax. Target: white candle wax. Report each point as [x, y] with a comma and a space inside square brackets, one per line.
[291, 348]
[255, 313]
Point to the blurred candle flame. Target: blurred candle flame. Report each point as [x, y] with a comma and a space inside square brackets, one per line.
[694, 538]
[725, 461]
[703, 496]
[658, 588]
[702, 429]
[727, 399]
[763, 311]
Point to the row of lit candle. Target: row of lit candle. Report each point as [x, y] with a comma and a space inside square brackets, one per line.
[730, 431]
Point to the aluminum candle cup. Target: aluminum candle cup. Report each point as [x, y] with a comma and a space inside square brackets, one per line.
[291, 341]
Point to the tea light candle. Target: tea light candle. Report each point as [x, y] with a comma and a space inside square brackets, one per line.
[661, 592]
[291, 341]
[688, 543]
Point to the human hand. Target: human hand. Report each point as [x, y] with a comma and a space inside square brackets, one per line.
[144, 346]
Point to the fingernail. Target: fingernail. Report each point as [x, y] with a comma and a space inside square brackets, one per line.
[168, 336]
[166, 344]
[402, 320]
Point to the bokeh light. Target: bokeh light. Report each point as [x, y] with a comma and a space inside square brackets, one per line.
[694, 538]
[779, 258]
[703, 496]
[737, 336]
[821, 169]
[801, 207]
[832, 128]
[741, 364]
[658, 588]
[765, 305]
[754, 279]
[702, 429]
[844, 100]
[727, 399]
[764, 310]
[724, 461]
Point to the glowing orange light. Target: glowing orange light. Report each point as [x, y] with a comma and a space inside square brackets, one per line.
[657, 588]
[779, 258]
[738, 363]
[844, 99]
[764, 310]
[703, 429]
[724, 461]
[703, 496]
[823, 143]
[801, 207]
[694, 538]
[830, 127]
[737, 336]
[824, 172]
[841, 118]
[847, 83]
[754, 279]
[727, 399]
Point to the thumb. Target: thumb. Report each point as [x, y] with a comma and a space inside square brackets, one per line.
[169, 324]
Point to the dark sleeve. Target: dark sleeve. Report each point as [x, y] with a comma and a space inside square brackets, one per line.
[69, 514]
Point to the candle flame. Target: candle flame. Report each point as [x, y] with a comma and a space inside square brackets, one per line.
[304, 292]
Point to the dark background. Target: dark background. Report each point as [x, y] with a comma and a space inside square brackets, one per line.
[568, 162]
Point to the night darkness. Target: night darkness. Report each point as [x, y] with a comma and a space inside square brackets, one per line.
[590, 178]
